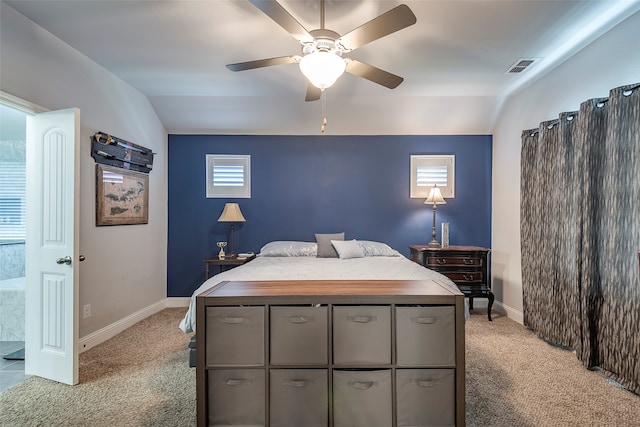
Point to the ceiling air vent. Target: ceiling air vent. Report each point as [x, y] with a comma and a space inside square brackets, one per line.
[521, 65]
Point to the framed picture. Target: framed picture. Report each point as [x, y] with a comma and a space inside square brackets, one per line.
[122, 196]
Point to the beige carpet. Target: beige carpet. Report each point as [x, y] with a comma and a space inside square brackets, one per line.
[141, 378]
[517, 379]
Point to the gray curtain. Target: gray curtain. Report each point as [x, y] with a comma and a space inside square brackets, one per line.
[580, 233]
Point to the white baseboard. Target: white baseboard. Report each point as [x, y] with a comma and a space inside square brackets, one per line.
[110, 331]
[510, 312]
[173, 302]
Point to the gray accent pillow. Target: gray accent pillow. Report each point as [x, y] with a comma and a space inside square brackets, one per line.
[325, 248]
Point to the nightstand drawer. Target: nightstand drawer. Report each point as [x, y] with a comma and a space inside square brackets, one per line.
[453, 261]
[465, 276]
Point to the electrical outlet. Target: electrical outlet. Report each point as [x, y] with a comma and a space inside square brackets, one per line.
[87, 311]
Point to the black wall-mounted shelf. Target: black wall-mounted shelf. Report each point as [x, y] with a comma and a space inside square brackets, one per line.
[109, 150]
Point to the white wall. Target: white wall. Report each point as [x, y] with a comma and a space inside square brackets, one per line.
[611, 61]
[125, 267]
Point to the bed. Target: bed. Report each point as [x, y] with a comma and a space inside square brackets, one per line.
[299, 261]
[349, 320]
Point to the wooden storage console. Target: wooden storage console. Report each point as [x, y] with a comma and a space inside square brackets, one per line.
[330, 353]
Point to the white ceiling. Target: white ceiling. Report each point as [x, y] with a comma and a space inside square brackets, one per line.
[453, 59]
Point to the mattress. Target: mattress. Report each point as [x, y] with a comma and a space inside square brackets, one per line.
[302, 268]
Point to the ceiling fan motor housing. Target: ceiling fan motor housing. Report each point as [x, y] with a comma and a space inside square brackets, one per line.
[324, 41]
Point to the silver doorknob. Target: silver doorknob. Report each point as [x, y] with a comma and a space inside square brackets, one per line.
[65, 260]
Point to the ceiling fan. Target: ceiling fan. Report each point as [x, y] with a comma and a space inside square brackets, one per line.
[322, 49]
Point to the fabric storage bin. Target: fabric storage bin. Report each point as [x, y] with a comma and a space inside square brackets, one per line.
[237, 397]
[425, 397]
[298, 335]
[299, 397]
[235, 336]
[361, 335]
[425, 336]
[362, 398]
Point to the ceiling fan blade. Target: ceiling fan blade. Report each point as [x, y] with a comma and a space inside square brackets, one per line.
[279, 14]
[313, 93]
[389, 22]
[250, 65]
[373, 74]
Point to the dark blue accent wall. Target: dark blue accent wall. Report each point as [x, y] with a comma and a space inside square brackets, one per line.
[302, 185]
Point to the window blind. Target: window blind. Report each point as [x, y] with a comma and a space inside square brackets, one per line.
[228, 175]
[428, 176]
[13, 191]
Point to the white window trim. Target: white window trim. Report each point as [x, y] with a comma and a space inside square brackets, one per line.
[224, 191]
[447, 188]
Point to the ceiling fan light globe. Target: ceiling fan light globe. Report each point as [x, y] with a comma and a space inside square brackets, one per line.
[322, 68]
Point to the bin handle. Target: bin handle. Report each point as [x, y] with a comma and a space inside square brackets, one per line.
[361, 318]
[362, 385]
[297, 383]
[425, 382]
[233, 320]
[237, 381]
[426, 320]
[300, 319]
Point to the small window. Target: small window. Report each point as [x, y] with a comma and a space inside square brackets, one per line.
[13, 192]
[430, 170]
[228, 176]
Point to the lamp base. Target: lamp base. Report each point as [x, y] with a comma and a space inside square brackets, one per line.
[434, 244]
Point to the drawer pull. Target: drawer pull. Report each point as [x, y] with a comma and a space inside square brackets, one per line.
[441, 261]
[297, 383]
[233, 382]
[467, 261]
[232, 320]
[300, 319]
[426, 320]
[467, 277]
[361, 319]
[362, 385]
[425, 383]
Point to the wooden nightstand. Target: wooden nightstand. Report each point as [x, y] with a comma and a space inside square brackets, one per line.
[466, 266]
[228, 262]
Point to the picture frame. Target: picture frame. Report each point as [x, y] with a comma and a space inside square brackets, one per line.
[122, 196]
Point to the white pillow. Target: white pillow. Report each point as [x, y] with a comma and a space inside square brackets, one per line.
[348, 249]
[377, 249]
[289, 248]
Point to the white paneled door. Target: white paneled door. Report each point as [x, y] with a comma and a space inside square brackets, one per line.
[52, 245]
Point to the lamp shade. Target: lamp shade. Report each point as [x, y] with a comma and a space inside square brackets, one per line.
[322, 68]
[231, 213]
[435, 197]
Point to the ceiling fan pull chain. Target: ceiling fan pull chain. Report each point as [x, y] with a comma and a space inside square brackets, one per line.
[324, 111]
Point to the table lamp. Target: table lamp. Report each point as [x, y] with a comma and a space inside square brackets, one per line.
[231, 213]
[435, 198]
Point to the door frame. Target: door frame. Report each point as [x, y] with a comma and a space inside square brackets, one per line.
[31, 109]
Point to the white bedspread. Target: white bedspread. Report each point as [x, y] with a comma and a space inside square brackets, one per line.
[312, 268]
